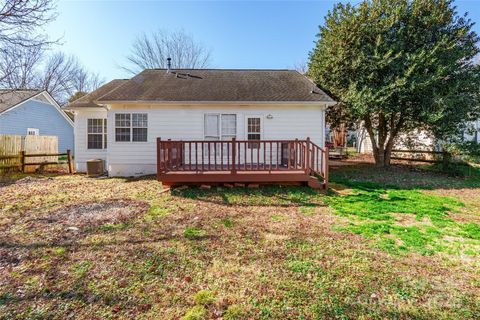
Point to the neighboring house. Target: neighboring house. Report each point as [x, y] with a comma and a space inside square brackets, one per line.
[121, 121]
[416, 140]
[473, 132]
[35, 112]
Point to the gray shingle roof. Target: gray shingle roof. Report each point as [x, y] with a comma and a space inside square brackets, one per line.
[11, 97]
[88, 100]
[157, 85]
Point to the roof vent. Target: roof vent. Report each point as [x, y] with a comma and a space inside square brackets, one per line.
[169, 64]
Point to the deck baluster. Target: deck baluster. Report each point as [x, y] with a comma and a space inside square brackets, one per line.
[271, 153]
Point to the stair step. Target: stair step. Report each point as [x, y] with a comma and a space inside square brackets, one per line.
[314, 183]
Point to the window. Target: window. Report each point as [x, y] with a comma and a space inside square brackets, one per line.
[229, 126]
[96, 133]
[131, 127]
[253, 131]
[32, 132]
[139, 127]
[220, 126]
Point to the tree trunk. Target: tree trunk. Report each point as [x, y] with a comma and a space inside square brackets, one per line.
[339, 136]
[377, 146]
[382, 156]
[382, 147]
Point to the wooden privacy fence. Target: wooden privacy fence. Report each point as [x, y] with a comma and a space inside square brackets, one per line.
[10, 149]
[31, 152]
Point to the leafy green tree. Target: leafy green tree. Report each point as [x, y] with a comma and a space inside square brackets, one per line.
[397, 65]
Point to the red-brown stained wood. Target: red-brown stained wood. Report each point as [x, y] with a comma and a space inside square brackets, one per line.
[301, 160]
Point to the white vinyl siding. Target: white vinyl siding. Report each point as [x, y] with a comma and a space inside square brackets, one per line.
[82, 153]
[187, 122]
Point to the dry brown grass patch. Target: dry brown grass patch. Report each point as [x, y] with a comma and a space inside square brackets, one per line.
[97, 213]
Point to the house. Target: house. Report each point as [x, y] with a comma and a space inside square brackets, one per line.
[35, 112]
[417, 139]
[211, 117]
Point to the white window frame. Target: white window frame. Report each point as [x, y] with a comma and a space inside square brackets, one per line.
[131, 127]
[33, 132]
[221, 135]
[248, 132]
[104, 133]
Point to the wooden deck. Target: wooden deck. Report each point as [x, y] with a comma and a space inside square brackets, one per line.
[259, 162]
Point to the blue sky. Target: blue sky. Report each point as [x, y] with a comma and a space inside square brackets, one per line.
[240, 34]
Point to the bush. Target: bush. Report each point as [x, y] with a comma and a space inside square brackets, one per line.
[234, 312]
[196, 313]
[204, 297]
[470, 150]
[193, 233]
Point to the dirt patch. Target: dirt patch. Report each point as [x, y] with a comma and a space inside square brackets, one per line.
[97, 213]
[410, 220]
[10, 258]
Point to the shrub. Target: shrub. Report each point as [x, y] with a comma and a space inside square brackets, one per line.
[193, 233]
[196, 313]
[234, 312]
[204, 297]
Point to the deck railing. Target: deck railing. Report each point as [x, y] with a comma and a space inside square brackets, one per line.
[201, 156]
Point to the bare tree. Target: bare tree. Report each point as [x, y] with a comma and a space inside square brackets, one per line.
[301, 67]
[85, 81]
[64, 75]
[18, 65]
[19, 23]
[61, 75]
[150, 51]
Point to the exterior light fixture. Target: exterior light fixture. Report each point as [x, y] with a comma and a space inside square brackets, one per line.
[269, 116]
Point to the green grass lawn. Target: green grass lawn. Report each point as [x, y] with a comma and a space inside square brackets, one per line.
[396, 244]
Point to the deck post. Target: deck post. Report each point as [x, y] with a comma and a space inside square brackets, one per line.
[159, 167]
[307, 157]
[168, 163]
[295, 154]
[234, 152]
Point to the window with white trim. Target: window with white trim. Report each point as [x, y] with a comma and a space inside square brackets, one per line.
[254, 131]
[96, 133]
[220, 126]
[131, 127]
[33, 132]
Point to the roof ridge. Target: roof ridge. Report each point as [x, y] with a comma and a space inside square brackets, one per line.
[217, 69]
[87, 98]
[19, 89]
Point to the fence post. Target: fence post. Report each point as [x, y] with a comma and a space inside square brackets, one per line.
[446, 158]
[234, 153]
[70, 162]
[22, 160]
[325, 169]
